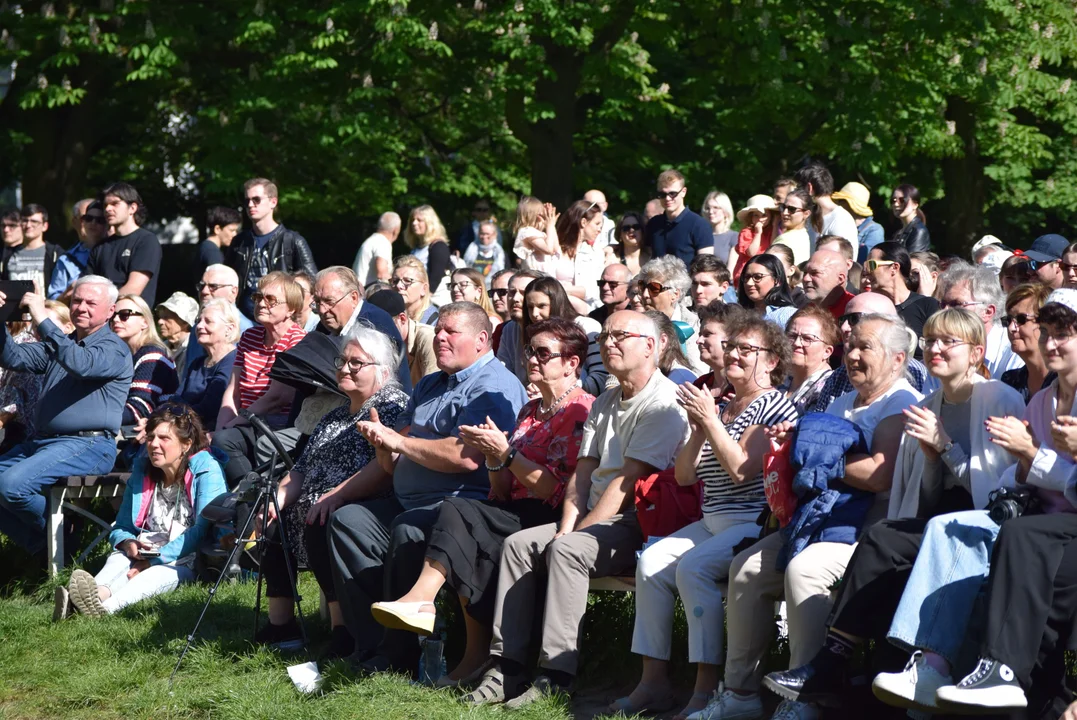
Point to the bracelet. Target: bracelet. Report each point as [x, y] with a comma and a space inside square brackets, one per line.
[508, 461]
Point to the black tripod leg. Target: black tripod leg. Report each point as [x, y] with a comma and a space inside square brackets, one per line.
[212, 593]
[262, 507]
[292, 577]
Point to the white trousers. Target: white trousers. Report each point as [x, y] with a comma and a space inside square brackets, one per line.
[154, 580]
[691, 562]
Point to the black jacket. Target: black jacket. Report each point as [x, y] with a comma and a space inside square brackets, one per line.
[288, 251]
[914, 237]
[52, 254]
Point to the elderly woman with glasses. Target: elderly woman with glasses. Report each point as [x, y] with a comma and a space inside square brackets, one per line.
[663, 286]
[155, 373]
[764, 288]
[410, 280]
[367, 371]
[813, 334]
[725, 454]
[1022, 323]
[528, 472]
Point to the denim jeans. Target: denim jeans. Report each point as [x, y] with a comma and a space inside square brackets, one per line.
[29, 469]
[949, 572]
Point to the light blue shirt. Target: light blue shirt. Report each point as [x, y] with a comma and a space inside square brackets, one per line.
[442, 403]
[69, 267]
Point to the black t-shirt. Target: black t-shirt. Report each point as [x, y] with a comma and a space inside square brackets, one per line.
[915, 311]
[208, 254]
[120, 255]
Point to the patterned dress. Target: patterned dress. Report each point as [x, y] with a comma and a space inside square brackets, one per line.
[335, 452]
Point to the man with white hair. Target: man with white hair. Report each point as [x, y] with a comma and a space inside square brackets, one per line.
[374, 261]
[218, 281]
[87, 376]
[976, 288]
[632, 431]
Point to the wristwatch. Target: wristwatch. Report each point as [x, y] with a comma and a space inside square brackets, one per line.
[947, 447]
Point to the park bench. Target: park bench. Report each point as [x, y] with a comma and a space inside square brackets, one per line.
[61, 497]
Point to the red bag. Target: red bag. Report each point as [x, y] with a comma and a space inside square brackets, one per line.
[778, 481]
[663, 507]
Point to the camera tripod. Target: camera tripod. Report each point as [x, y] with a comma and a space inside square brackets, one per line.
[264, 481]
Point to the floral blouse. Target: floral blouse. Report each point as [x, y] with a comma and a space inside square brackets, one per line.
[553, 443]
[335, 452]
[19, 391]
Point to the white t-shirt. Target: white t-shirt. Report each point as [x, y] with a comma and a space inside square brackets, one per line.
[839, 222]
[375, 246]
[900, 396]
[650, 427]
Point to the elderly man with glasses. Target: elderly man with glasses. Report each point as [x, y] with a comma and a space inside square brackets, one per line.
[976, 288]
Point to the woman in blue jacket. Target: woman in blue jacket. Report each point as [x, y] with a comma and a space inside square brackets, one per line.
[160, 526]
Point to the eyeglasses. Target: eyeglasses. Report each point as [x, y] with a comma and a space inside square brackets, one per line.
[618, 336]
[1019, 319]
[1067, 267]
[873, 265]
[503, 292]
[783, 209]
[851, 318]
[944, 343]
[947, 305]
[1059, 339]
[611, 283]
[11, 226]
[406, 282]
[213, 287]
[256, 200]
[125, 315]
[742, 348]
[269, 300]
[543, 355]
[669, 194]
[804, 338]
[353, 366]
[654, 288]
[897, 199]
[461, 286]
[99, 219]
[756, 277]
[317, 302]
[32, 221]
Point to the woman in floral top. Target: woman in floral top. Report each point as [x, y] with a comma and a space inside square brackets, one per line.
[336, 451]
[19, 391]
[528, 472]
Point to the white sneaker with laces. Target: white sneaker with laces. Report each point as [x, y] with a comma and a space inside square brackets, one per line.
[793, 710]
[913, 688]
[731, 706]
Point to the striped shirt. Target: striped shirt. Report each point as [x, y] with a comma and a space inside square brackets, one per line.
[254, 361]
[154, 378]
[721, 496]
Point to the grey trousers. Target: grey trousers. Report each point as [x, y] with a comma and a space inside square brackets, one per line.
[569, 562]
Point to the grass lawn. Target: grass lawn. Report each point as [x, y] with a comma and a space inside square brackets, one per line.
[118, 667]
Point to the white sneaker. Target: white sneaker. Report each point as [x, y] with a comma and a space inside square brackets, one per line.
[731, 706]
[793, 710]
[914, 687]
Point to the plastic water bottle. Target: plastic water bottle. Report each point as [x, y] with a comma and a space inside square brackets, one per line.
[432, 659]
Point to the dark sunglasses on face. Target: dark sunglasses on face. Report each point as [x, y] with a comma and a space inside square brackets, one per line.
[499, 292]
[99, 219]
[611, 283]
[256, 200]
[543, 355]
[654, 288]
[1020, 319]
[270, 301]
[126, 315]
[630, 226]
[669, 194]
[213, 287]
[783, 209]
[851, 318]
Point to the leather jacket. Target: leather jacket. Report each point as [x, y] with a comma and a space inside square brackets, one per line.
[914, 237]
[288, 252]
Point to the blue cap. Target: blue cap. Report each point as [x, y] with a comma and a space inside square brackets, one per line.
[1047, 248]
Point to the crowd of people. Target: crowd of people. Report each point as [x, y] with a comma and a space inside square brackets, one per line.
[736, 408]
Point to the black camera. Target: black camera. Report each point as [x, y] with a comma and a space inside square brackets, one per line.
[1008, 503]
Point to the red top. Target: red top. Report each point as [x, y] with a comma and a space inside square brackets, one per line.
[744, 241]
[838, 308]
[554, 443]
[254, 361]
[495, 342]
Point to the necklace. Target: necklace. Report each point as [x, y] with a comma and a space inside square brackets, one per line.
[545, 413]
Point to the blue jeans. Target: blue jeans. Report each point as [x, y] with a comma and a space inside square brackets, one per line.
[29, 469]
[949, 572]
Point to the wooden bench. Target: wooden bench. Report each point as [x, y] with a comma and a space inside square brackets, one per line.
[78, 487]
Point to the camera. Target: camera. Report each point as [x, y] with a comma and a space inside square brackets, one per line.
[1008, 503]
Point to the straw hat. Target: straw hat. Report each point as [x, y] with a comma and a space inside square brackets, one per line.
[758, 203]
[858, 197]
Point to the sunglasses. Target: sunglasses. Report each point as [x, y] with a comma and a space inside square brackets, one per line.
[125, 315]
[630, 226]
[256, 200]
[654, 288]
[543, 355]
[669, 194]
[611, 283]
[269, 300]
[851, 318]
[1020, 319]
[501, 292]
[783, 209]
[873, 265]
[99, 219]
[213, 287]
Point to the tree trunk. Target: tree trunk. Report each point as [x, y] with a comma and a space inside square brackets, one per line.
[964, 182]
[551, 139]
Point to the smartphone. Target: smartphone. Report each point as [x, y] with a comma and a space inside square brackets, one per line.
[14, 290]
[149, 554]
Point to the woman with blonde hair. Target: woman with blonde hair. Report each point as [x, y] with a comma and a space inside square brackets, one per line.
[426, 237]
[411, 281]
[155, 373]
[469, 285]
[205, 380]
[718, 211]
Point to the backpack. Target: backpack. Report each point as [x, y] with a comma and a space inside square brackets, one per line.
[663, 507]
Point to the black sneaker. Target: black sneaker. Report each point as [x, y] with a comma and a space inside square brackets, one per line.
[820, 681]
[992, 685]
[283, 637]
[341, 644]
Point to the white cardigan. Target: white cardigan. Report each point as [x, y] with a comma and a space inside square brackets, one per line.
[987, 461]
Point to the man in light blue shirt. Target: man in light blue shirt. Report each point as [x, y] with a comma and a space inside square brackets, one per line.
[88, 219]
[377, 546]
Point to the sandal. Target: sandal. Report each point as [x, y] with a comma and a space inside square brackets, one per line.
[698, 702]
[491, 691]
[468, 680]
[654, 704]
